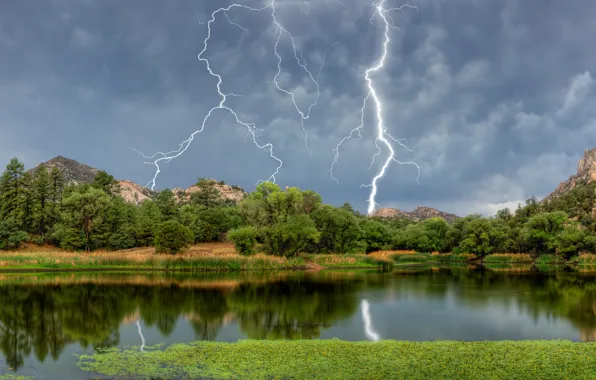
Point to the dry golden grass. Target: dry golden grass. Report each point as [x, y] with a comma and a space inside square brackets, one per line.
[201, 256]
[385, 255]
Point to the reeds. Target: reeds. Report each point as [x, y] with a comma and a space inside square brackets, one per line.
[509, 258]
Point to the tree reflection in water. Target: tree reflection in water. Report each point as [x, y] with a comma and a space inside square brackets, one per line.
[41, 317]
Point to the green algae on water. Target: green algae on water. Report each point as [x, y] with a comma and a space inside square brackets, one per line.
[336, 359]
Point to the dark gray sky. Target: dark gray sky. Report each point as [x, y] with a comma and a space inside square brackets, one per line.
[496, 98]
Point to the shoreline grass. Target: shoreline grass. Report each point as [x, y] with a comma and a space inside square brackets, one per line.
[222, 257]
[509, 258]
[336, 359]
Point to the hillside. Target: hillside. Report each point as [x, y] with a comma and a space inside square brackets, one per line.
[586, 173]
[420, 213]
[76, 173]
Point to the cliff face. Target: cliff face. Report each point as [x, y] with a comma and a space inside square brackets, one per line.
[420, 213]
[586, 172]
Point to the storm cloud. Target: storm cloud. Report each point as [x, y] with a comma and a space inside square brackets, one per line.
[495, 98]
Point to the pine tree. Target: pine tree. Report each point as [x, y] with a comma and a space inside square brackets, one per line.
[55, 196]
[42, 193]
[27, 202]
[10, 190]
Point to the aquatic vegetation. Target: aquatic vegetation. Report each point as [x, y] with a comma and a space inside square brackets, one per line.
[453, 256]
[336, 359]
[10, 376]
[415, 258]
[508, 258]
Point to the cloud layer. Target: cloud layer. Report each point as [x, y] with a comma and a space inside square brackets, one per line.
[495, 98]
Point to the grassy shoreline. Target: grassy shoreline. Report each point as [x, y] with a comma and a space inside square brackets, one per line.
[222, 257]
[336, 359]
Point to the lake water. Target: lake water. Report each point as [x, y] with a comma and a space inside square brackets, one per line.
[45, 319]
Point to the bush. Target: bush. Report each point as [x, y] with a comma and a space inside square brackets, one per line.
[291, 238]
[244, 239]
[172, 237]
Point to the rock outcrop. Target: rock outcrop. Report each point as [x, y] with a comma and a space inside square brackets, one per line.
[586, 173]
[75, 173]
[232, 193]
[419, 214]
[134, 193]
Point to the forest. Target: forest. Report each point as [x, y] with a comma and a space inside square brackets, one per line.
[39, 208]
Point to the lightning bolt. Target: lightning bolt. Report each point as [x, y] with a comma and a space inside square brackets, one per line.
[141, 335]
[366, 316]
[252, 130]
[382, 135]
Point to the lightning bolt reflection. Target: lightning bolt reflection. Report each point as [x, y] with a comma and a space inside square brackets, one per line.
[366, 316]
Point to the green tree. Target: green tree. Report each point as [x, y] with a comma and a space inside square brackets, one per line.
[166, 202]
[172, 237]
[376, 235]
[290, 238]
[11, 189]
[436, 230]
[107, 183]
[541, 229]
[42, 192]
[570, 241]
[83, 212]
[55, 196]
[207, 195]
[339, 230]
[244, 239]
[148, 219]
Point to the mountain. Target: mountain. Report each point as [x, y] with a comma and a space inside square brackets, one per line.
[76, 173]
[586, 173]
[420, 213]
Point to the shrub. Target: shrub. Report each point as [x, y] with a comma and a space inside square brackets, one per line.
[244, 239]
[172, 237]
[288, 239]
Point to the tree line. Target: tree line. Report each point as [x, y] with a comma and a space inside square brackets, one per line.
[40, 208]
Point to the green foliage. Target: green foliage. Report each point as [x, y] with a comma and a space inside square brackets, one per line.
[417, 258]
[339, 230]
[107, 183]
[335, 359]
[172, 237]
[11, 237]
[376, 235]
[290, 238]
[166, 203]
[84, 210]
[244, 239]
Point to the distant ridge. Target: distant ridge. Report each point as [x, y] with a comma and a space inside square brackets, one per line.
[76, 173]
[419, 214]
[73, 171]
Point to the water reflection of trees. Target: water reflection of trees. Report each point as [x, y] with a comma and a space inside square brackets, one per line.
[42, 320]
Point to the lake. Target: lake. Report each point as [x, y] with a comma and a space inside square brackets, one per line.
[45, 319]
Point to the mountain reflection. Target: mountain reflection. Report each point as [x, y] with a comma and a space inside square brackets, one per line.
[41, 315]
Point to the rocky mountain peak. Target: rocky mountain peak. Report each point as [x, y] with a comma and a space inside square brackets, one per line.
[586, 173]
[418, 214]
